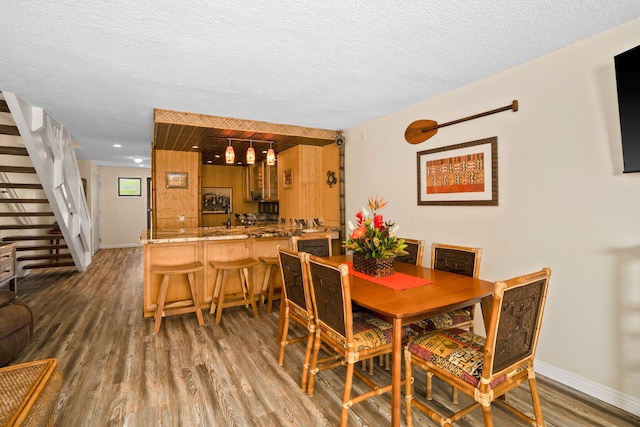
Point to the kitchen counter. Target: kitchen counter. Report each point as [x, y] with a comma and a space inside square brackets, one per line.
[223, 233]
[206, 244]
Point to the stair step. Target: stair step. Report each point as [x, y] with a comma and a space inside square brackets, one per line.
[14, 151]
[26, 226]
[22, 186]
[48, 265]
[15, 214]
[39, 237]
[45, 256]
[4, 108]
[9, 130]
[24, 201]
[41, 248]
[17, 169]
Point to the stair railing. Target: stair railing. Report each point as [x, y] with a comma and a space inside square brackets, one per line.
[50, 148]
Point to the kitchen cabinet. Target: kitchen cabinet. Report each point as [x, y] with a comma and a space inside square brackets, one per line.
[260, 182]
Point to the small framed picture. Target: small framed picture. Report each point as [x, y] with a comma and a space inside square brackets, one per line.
[287, 178]
[177, 180]
[129, 187]
[217, 199]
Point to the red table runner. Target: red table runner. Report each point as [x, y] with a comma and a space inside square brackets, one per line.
[397, 281]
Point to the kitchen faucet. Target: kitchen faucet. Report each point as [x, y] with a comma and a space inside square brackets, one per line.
[228, 210]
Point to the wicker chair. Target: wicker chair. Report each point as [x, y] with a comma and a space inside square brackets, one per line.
[460, 260]
[318, 244]
[416, 252]
[486, 369]
[298, 306]
[336, 333]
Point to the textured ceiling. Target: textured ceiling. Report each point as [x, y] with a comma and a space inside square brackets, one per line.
[101, 68]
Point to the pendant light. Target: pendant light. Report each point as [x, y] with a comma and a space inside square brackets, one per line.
[271, 155]
[229, 155]
[251, 154]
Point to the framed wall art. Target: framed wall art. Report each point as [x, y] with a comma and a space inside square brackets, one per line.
[216, 199]
[177, 180]
[287, 178]
[461, 174]
[129, 187]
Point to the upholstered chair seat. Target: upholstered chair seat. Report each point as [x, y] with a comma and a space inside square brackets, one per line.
[446, 320]
[369, 331]
[460, 352]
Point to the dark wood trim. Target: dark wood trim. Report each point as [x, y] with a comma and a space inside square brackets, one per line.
[9, 130]
[4, 108]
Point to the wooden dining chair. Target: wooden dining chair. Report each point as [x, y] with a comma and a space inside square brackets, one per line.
[298, 306]
[415, 252]
[318, 244]
[460, 260]
[346, 337]
[486, 368]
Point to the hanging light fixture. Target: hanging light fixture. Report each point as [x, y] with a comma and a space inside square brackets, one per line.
[271, 155]
[251, 154]
[229, 155]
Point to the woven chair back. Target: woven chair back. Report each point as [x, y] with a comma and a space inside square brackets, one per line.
[294, 278]
[332, 304]
[518, 306]
[318, 246]
[416, 251]
[456, 259]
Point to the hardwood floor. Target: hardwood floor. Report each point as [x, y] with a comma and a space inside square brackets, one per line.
[118, 373]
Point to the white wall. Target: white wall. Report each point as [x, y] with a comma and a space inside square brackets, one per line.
[122, 218]
[563, 202]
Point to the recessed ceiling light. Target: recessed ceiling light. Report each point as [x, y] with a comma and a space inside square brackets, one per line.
[138, 160]
[195, 147]
[117, 145]
[217, 156]
[210, 161]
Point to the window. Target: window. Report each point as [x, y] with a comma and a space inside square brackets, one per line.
[129, 187]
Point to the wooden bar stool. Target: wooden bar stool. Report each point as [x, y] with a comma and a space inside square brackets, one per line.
[223, 300]
[165, 308]
[268, 286]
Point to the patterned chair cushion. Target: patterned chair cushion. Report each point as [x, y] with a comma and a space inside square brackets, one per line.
[444, 320]
[300, 312]
[369, 331]
[458, 352]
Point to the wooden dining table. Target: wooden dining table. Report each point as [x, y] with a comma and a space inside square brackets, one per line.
[446, 291]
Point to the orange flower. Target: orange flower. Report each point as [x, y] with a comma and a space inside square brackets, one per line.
[375, 203]
[359, 232]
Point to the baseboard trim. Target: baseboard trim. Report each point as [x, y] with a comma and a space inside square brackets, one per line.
[613, 397]
[121, 245]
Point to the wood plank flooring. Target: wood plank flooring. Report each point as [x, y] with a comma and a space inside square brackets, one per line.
[118, 373]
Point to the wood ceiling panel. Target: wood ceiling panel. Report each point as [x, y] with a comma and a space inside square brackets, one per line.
[179, 131]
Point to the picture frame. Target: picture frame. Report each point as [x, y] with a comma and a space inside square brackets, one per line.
[129, 187]
[217, 200]
[461, 174]
[177, 180]
[287, 178]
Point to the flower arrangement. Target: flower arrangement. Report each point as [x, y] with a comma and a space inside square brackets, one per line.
[372, 236]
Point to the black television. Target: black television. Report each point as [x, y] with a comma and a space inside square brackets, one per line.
[627, 66]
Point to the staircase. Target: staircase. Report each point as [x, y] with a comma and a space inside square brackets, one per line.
[42, 206]
[25, 210]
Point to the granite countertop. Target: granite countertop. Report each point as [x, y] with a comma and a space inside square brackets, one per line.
[223, 233]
